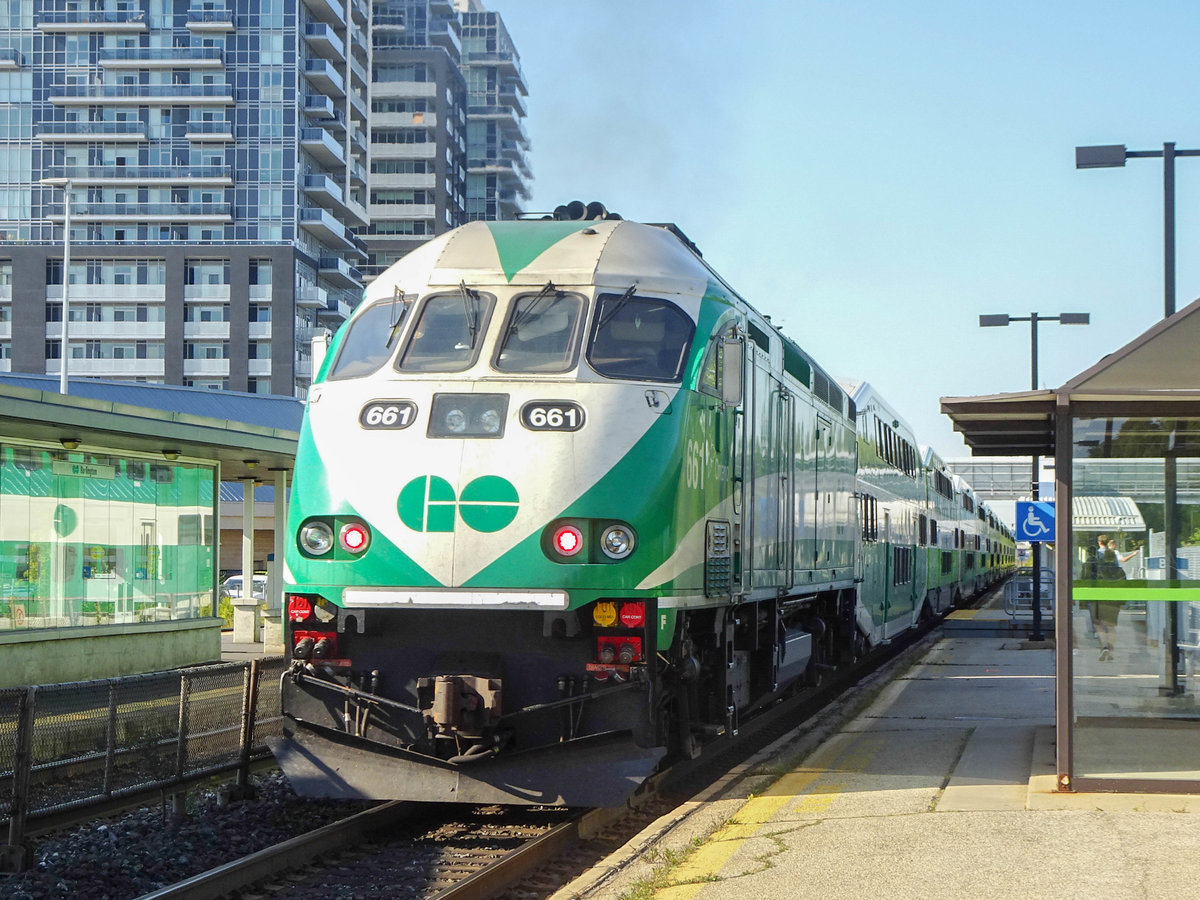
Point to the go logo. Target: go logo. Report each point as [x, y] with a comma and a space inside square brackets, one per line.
[428, 503]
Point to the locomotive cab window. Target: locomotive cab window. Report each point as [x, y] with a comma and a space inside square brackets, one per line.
[541, 334]
[448, 333]
[639, 338]
[369, 340]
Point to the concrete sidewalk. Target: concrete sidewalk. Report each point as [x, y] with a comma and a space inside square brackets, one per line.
[941, 787]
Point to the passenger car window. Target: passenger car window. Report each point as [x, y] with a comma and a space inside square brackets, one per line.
[541, 334]
[639, 338]
[448, 333]
[369, 340]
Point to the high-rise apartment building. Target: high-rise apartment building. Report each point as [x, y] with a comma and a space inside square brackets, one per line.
[497, 146]
[448, 142]
[215, 157]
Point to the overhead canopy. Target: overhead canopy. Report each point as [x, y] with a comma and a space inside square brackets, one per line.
[248, 434]
[1005, 424]
[1161, 365]
[1106, 514]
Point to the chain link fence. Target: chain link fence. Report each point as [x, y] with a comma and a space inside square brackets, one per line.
[70, 746]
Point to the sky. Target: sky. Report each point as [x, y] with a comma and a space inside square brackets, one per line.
[876, 175]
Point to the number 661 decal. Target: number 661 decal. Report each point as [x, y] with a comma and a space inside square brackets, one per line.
[551, 415]
[395, 414]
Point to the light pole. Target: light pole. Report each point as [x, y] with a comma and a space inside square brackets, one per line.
[64, 351]
[1000, 320]
[1109, 156]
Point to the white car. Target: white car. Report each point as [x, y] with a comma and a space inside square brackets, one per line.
[232, 587]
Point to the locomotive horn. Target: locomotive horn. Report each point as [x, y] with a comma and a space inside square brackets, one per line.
[560, 212]
[595, 210]
[576, 209]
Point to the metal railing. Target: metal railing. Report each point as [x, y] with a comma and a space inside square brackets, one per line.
[67, 747]
[1018, 595]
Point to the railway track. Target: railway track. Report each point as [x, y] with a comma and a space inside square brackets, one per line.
[448, 852]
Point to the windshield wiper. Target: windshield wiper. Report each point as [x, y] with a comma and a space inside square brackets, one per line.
[527, 314]
[616, 307]
[471, 305]
[397, 318]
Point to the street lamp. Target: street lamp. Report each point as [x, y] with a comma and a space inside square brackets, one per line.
[64, 351]
[1000, 320]
[1109, 156]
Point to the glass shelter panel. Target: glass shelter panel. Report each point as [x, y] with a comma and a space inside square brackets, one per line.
[1135, 520]
[101, 540]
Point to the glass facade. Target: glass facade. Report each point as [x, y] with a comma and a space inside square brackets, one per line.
[222, 129]
[100, 540]
[1135, 610]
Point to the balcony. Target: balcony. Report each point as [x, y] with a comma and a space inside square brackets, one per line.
[318, 106]
[337, 310]
[358, 104]
[359, 72]
[329, 11]
[338, 272]
[211, 331]
[390, 21]
[10, 59]
[135, 94]
[205, 367]
[324, 191]
[441, 8]
[210, 20]
[359, 139]
[322, 74]
[91, 20]
[91, 131]
[152, 293]
[109, 368]
[258, 368]
[404, 151]
[199, 176]
[259, 331]
[215, 213]
[108, 331]
[358, 40]
[209, 131]
[326, 227]
[205, 292]
[358, 174]
[163, 58]
[312, 297]
[322, 147]
[444, 33]
[325, 42]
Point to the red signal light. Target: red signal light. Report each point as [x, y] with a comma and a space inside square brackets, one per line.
[299, 608]
[633, 615]
[354, 537]
[568, 540]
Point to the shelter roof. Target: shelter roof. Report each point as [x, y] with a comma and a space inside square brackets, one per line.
[1160, 367]
[1102, 514]
[248, 434]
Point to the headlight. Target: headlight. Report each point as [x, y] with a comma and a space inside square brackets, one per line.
[316, 538]
[617, 541]
[468, 415]
[490, 421]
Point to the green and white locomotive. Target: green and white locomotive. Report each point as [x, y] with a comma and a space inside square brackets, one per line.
[564, 502]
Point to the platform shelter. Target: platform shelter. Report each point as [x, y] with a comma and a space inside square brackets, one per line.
[1125, 437]
[109, 521]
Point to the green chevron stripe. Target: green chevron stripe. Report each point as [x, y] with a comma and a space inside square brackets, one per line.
[520, 243]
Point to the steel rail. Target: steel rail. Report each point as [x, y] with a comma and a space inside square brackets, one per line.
[290, 855]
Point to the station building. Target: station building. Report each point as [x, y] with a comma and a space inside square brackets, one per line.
[1125, 437]
[110, 520]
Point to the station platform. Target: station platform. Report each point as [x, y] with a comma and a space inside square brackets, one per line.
[240, 652]
[936, 781]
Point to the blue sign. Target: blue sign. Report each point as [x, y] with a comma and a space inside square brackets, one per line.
[1035, 520]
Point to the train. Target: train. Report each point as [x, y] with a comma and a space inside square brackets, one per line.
[566, 505]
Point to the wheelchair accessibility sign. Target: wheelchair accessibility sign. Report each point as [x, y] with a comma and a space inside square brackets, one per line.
[1035, 520]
